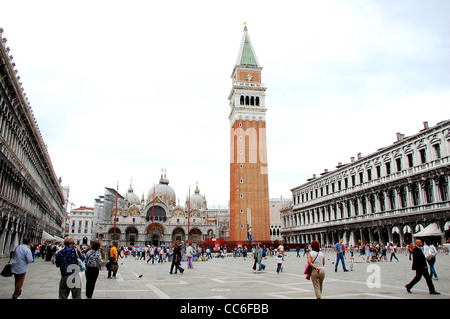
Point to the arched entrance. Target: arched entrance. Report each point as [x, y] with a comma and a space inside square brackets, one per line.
[195, 235]
[178, 235]
[384, 235]
[396, 235]
[131, 236]
[407, 235]
[155, 235]
[114, 235]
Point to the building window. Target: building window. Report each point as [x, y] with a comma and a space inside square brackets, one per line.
[382, 203]
[403, 196]
[364, 205]
[242, 100]
[398, 161]
[388, 168]
[369, 174]
[372, 203]
[378, 171]
[437, 150]
[415, 194]
[423, 156]
[410, 160]
[428, 191]
[353, 180]
[443, 186]
[361, 178]
[391, 196]
[355, 207]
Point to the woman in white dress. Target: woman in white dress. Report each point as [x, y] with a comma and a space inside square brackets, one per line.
[317, 261]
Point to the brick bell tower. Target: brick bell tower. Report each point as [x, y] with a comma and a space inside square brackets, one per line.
[249, 188]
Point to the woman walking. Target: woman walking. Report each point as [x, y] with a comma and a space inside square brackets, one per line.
[430, 253]
[93, 262]
[317, 261]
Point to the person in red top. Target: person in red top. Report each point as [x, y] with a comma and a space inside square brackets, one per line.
[411, 248]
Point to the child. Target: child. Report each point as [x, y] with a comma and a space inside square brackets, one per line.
[280, 263]
[352, 261]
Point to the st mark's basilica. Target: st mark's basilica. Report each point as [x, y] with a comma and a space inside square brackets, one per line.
[158, 219]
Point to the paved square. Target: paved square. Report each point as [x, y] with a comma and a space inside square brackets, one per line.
[234, 278]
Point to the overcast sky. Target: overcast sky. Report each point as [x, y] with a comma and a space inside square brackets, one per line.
[121, 89]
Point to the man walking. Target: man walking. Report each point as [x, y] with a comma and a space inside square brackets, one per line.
[419, 264]
[338, 248]
[21, 258]
[66, 260]
[113, 265]
[176, 259]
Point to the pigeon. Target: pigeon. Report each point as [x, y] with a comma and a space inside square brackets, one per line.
[140, 276]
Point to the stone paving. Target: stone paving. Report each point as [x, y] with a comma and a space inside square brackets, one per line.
[234, 278]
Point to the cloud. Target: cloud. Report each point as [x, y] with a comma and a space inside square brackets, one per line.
[121, 90]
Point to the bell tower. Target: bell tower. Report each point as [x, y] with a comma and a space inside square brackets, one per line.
[249, 189]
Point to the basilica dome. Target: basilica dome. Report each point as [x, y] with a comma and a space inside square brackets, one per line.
[197, 200]
[163, 192]
[131, 197]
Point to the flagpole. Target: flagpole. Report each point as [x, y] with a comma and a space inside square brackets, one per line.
[153, 208]
[115, 212]
[189, 210]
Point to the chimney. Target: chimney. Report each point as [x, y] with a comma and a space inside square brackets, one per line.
[352, 159]
[359, 155]
[425, 125]
[399, 136]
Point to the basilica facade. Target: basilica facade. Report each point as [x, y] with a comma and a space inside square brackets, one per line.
[158, 219]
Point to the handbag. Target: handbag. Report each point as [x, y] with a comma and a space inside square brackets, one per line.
[308, 268]
[114, 268]
[6, 272]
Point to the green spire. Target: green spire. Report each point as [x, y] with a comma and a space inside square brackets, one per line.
[248, 58]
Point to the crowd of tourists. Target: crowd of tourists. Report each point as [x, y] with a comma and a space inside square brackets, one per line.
[92, 258]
